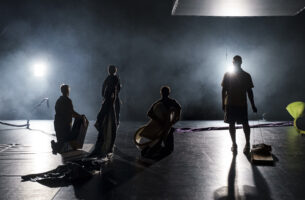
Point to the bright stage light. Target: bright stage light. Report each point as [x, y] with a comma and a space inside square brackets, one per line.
[231, 68]
[39, 68]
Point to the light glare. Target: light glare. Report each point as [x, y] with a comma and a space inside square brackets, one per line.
[39, 68]
[231, 68]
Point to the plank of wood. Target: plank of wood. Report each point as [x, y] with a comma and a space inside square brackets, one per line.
[262, 159]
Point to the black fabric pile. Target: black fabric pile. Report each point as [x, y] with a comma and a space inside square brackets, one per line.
[65, 175]
[261, 149]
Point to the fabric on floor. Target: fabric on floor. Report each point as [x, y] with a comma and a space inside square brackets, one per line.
[264, 125]
[65, 175]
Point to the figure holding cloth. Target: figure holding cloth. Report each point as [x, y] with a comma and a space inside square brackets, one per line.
[108, 118]
[158, 134]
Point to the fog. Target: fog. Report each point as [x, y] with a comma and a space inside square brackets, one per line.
[79, 39]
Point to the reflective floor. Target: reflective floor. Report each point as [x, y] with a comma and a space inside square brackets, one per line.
[201, 166]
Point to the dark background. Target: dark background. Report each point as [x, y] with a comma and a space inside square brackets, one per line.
[79, 39]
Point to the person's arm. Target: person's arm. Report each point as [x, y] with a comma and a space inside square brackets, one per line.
[177, 116]
[74, 113]
[177, 111]
[223, 94]
[251, 98]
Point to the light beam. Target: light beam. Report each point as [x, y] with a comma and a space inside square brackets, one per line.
[39, 68]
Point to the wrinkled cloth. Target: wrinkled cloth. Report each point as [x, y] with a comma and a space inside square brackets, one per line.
[261, 149]
[107, 133]
[161, 137]
[106, 125]
[64, 174]
[158, 151]
[108, 117]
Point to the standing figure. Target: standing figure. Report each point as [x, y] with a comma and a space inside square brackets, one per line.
[63, 121]
[235, 87]
[108, 118]
[159, 131]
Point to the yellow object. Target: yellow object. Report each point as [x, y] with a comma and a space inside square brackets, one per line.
[296, 110]
[153, 132]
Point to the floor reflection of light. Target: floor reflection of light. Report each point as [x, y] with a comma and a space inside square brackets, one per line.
[230, 173]
[43, 160]
[224, 157]
[293, 144]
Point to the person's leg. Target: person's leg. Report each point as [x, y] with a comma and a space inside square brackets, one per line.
[232, 131]
[54, 147]
[169, 142]
[246, 129]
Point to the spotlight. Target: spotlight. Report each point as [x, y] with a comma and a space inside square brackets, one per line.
[39, 68]
[231, 68]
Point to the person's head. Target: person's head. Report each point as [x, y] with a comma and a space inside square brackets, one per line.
[65, 89]
[165, 91]
[112, 69]
[237, 61]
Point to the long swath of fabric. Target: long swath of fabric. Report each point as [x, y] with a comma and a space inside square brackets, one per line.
[15, 125]
[262, 125]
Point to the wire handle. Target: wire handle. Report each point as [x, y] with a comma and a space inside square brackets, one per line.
[257, 124]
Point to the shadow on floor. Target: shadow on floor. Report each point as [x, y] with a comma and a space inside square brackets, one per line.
[92, 179]
[232, 191]
[115, 173]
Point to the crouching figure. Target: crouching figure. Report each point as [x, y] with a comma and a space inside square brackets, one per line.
[63, 121]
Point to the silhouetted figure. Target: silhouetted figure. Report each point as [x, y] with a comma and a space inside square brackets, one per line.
[111, 89]
[63, 120]
[235, 87]
[108, 117]
[171, 109]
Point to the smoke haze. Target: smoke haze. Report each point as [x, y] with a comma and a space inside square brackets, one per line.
[79, 39]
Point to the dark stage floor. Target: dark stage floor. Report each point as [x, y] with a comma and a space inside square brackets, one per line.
[201, 167]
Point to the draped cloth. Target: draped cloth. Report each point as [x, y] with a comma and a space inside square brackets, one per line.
[106, 125]
[108, 117]
[153, 132]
